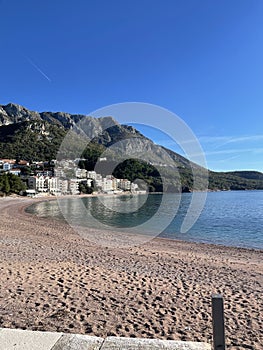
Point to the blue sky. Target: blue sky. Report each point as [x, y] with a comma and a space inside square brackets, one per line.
[201, 59]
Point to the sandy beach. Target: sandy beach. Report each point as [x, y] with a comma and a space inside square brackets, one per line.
[52, 279]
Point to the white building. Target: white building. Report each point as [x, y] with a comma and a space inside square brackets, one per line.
[63, 186]
[80, 173]
[98, 180]
[124, 184]
[16, 172]
[59, 172]
[73, 186]
[53, 185]
[106, 185]
[114, 182]
[38, 183]
[92, 175]
[7, 166]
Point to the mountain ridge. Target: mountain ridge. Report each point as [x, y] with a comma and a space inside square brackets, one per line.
[30, 135]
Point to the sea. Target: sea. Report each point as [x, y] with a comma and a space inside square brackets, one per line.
[229, 218]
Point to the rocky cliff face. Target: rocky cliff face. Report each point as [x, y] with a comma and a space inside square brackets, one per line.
[13, 113]
[17, 122]
[105, 129]
[31, 135]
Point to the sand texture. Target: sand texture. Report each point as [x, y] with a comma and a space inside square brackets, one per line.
[52, 279]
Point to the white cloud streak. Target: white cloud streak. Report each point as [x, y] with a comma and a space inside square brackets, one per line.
[230, 139]
[233, 152]
[37, 68]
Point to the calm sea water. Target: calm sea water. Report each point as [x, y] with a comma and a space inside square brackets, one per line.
[229, 218]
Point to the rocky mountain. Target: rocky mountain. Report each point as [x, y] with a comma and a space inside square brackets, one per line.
[22, 131]
[27, 134]
[31, 135]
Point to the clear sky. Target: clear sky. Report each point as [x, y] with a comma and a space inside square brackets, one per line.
[201, 59]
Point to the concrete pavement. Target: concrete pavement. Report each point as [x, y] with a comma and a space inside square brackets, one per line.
[16, 339]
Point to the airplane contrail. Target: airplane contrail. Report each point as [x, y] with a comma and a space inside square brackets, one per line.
[37, 68]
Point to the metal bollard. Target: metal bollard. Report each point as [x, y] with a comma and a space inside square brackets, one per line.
[218, 322]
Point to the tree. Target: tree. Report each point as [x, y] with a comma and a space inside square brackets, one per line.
[6, 184]
[10, 183]
[84, 188]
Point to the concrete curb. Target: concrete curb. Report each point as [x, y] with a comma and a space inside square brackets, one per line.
[17, 339]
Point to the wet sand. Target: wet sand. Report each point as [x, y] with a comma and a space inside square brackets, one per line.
[52, 279]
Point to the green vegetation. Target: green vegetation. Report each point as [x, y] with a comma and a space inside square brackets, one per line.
[182, 180]
[10, 183]
[91, 155]
[40, 136]
[241, 180]
[84, 188]
[132, 169]
[30, 140]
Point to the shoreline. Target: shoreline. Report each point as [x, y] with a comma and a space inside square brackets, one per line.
[39, 200]
[52, 279]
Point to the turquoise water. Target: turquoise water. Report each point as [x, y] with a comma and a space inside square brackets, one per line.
[229, 218]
